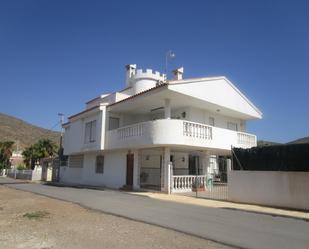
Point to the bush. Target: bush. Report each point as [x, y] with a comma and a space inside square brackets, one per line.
[21, 166]
[291, 157]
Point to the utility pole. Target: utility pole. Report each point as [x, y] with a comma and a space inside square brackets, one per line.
[61, 116]
[60, 153]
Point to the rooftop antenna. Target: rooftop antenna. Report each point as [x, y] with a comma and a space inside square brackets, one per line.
[168, 56]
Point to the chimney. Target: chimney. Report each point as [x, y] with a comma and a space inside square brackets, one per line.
[131, 70]
[178, 73]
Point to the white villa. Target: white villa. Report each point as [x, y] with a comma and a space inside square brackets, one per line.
[157, 133]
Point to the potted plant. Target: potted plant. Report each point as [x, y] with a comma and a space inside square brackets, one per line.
[197, 187]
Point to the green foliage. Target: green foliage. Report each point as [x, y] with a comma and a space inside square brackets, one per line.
[21, 166]
[37, 215]
[6, 148]
[42, 149]
[289, 157]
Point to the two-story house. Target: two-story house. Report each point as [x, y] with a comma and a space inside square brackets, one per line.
[155, 128]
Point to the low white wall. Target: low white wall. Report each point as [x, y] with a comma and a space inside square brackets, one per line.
[271, 188]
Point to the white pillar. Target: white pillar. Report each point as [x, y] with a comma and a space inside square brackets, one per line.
[205, 162]
[229, 164]
[136, 171]
[165, 173]
[167, 108]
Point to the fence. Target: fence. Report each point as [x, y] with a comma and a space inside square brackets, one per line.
[207, 186]
[32, 175]
[150, 177]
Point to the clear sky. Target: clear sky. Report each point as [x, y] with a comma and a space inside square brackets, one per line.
[56, 55]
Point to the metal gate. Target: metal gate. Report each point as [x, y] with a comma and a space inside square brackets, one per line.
[213, 185]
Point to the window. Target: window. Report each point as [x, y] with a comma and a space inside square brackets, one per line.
[232, 126]
[113, 123]
[90, 131]
[99, 165]
[76, 161]
[211, 121]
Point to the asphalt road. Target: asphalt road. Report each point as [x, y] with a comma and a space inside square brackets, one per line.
[232, 227]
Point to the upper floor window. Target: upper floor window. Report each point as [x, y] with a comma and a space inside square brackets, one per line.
[232, 126]
[212, 121]
[113, 123]
[90, 131]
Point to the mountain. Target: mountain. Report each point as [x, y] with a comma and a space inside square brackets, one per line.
[261, 143]
[269, 143]
[300, 141]
[23, 133]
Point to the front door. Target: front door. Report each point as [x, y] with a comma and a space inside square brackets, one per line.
[130, 163]
[194, 168]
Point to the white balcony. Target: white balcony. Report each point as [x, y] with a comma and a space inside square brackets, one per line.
[177, 132]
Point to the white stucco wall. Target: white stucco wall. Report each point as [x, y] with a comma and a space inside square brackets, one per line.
[114, 175]
[74, 135]
[271, 188]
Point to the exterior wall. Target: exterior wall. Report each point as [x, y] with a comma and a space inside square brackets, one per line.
[181, 163]
[150, 165]
[114, 175]
[271, 188]
[221, 121]
[191, 114]
[74, 135]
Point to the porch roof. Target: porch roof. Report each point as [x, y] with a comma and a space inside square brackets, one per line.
[153, 99]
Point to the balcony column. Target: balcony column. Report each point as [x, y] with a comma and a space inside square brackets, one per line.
[205, 162]
[166, 172]
[136, 170]
[167, 108]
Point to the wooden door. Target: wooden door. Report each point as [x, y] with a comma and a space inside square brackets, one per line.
[130, 164]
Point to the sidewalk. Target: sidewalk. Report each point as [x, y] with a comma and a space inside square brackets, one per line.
[178, 198]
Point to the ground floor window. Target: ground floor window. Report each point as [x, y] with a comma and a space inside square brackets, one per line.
[76, 161]
[99, 167]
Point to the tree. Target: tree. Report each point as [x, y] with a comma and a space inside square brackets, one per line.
[43, 148]
[6, 149]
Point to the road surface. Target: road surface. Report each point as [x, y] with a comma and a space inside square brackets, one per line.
[232, 227]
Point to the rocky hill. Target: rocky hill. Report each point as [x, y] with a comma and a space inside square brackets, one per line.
[23, 133]
[303, 140]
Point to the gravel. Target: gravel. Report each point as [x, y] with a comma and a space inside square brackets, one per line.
[68, 225]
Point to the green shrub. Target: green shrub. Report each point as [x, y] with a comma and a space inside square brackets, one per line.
[21, 166]
[288, 157]
[37, 215]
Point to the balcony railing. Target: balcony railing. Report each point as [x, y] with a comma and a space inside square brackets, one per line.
[197, 130]
[131, 131]
[246, 139]
[177, 132]
[187, 182]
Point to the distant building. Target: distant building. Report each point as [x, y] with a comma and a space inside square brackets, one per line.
[16, 158]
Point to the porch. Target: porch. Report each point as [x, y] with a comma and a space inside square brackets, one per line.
[187, 171]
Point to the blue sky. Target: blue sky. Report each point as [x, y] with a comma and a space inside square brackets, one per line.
[56, 55]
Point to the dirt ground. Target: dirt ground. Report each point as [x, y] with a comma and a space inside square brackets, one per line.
[67, 225]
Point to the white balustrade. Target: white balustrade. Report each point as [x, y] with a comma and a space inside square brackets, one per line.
[197, 130]
[246, 139]
[185, 183]
[131, 131]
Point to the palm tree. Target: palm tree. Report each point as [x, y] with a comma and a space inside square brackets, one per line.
[6, 149]
[43, 148]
